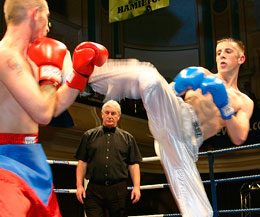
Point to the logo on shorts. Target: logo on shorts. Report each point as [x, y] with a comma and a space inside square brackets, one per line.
[30, 140]
[197, 130]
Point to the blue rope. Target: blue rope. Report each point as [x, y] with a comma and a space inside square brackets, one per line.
[241, 178]
[239, 210]
[216, 212]
[212, 180]
[251, 177]
[238, 148]
[171, 215]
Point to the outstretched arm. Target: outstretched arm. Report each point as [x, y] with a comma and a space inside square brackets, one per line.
[86, 56]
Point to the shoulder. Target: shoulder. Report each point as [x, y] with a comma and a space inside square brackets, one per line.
[241, 95]
[125, 134]
[246, 104]
[247, 100]
[123, 131]
[91, 134]
[7, 53]
[10, 60]
[93, 131]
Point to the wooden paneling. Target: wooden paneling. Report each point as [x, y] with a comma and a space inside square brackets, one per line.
[61, 143]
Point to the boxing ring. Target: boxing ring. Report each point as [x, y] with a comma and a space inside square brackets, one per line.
[212, 182]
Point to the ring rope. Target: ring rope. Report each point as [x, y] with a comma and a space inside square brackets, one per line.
[148, 187]
[238, 148]
[73, 163]
[164, 186]
[158, 186]
[66, 191]
[157, 215]
[155, 158]
[150, 159]
[238, 210]
[240, 178]
[219, 212]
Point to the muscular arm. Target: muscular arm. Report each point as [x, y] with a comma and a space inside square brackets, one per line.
[80, 174]
[134, 170]
[17, 76]
[238, 126]
[65, 95]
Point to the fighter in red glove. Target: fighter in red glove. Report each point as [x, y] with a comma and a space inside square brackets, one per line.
[85, 57]
[48, 54]
[25, 176]
[51, 55]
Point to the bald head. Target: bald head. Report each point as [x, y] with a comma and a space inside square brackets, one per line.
[15, 11]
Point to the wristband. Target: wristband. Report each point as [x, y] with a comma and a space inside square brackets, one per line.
[77, 81]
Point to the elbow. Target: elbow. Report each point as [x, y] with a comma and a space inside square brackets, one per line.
[238, 137]
[43, 116]
[239, 140]
[43, 119]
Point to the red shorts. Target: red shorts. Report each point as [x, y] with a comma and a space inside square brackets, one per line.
[26, 181]
[18, 199]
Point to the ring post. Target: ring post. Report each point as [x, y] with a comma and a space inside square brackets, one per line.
[213, 183]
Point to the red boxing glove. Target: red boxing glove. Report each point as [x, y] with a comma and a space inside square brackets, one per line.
[48, 54]
[86, 55]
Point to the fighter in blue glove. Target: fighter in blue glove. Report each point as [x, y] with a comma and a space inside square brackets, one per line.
[211, 102]
[215, 86]
[192, 78]
[207, 93]
[188, 78]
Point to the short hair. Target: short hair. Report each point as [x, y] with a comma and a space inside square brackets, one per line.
[112, 103]
[240, 44]
[15, 11]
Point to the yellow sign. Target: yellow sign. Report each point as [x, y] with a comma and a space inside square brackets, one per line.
[125, 9]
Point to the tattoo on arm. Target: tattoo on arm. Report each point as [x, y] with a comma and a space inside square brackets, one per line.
[14, 65]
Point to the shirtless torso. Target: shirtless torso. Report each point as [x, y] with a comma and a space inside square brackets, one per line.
[24, 104]
[209, 115]
[15, 118]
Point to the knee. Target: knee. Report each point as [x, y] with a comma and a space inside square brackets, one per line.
[149, 77]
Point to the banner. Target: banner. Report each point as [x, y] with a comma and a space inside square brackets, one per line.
[126, 9]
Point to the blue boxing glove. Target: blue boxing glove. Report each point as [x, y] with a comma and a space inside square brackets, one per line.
[188, 78]
[215, 86]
